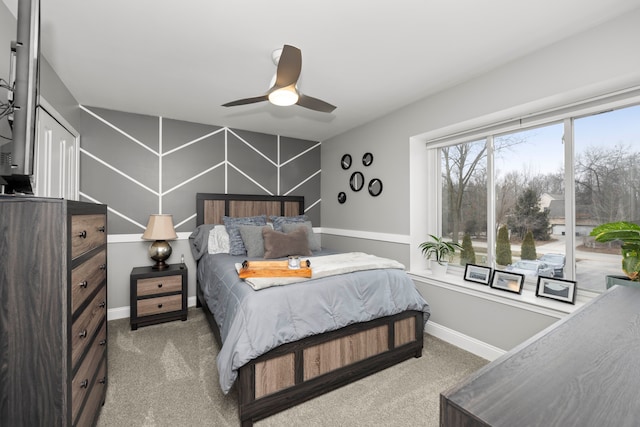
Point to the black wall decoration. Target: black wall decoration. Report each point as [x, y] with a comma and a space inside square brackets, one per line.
[375, 187]
[357, 179]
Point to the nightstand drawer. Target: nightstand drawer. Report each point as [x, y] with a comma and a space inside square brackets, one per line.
[150, 306]
[87, 232]
[158, 285]
[86, 278]
[87, 323]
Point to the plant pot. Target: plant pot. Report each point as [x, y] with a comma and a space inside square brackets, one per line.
[621, 280]
[438, 269]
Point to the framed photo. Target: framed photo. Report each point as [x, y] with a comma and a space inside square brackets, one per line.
[507, 281]
[558, 289]
[477, 273]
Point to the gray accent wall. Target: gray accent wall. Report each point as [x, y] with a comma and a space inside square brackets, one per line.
[140, 165]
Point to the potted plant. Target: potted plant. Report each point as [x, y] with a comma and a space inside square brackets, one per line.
[629, 234]
[441, 250]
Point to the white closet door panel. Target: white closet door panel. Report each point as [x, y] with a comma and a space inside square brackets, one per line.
[56, 159]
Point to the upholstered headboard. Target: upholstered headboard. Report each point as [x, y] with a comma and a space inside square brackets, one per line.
[210, 208]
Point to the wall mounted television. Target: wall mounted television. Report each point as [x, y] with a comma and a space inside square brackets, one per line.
[17, 158]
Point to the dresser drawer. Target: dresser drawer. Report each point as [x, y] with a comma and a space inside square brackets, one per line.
[81, 385]
[158, 285]
[87, 323]
[96, 397]
[86, 278]
[87, 232]
[150, 306]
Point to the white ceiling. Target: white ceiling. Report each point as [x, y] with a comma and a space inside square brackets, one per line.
[183, 59]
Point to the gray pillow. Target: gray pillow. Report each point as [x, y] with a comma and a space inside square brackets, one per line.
[199, 239]
[236, 247]
[278, 245]
[252, 239]
[314, 242]
[279, 220]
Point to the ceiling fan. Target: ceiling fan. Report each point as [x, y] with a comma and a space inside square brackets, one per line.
[284, 90]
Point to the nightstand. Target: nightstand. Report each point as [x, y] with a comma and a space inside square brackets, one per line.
[158, 295]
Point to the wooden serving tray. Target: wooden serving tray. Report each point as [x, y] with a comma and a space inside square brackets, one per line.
[274, 269]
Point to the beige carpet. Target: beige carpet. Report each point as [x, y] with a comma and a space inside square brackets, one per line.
[165, 375]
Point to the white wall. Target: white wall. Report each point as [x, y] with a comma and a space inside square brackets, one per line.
[598, 61]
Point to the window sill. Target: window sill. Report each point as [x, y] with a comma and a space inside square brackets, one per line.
[527, 300]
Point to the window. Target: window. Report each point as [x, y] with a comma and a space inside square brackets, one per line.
[516, 194]
[607, 188]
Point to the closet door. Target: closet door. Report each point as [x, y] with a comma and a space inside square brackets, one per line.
[56, 159]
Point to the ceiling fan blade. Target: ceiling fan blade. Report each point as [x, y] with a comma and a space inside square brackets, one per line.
[289, 66]
[315, 104]
[246, 101]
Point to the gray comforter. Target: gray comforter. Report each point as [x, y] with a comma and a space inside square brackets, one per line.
[253, 322]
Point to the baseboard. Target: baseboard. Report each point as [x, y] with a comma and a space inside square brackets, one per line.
[465, 342]
[125, 312]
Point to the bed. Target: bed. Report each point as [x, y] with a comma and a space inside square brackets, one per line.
[298, 369]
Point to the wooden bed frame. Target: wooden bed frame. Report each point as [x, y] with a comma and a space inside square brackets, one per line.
[295, 372]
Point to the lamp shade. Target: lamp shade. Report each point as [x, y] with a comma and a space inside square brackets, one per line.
[160, 227]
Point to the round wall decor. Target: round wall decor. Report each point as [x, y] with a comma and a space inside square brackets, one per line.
[342, 197]
[357, 181]
[367, 159]
[345, 162]
[375, 187]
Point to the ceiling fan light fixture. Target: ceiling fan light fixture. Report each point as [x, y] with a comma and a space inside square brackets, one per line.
[284, 97]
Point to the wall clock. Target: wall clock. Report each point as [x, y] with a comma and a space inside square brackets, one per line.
[345, 162]
[357, 181]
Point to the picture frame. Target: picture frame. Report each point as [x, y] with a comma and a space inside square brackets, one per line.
[557, 289]
[507, 281]
[477, 273]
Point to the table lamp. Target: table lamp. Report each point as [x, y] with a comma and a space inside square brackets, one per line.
[160, 229]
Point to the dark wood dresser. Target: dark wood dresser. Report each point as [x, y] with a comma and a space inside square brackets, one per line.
[582, 371]
[53, 305]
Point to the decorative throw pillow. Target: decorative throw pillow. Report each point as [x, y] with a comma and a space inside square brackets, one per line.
[236, 247]
[279, 220]
[314, 242]
[218, 240]
[252, 239]
[198, 240]
[278, 245]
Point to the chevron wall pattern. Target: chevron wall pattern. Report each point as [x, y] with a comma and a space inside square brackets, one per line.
[139, 165]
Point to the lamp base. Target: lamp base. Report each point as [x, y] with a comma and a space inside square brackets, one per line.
[159, 251]
[160, 265]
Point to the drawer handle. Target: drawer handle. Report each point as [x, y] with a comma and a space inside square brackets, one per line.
[103, 266]
[103, 380]
[103, 342]
[84, 384]
[159, 285]
[84, 284]
[101, 229]
[102, 304]
[159, 305]
[83, 234]
[83, 333]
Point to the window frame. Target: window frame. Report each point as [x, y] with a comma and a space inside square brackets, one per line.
[435, 140]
